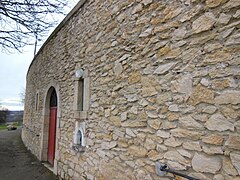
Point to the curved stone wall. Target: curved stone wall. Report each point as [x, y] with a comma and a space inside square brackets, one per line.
[164, 86]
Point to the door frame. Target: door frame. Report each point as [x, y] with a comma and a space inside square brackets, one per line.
[45, 124]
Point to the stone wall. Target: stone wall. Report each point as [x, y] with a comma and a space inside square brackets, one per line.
[164, 86]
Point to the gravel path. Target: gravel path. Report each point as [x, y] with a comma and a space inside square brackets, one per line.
[16, 162]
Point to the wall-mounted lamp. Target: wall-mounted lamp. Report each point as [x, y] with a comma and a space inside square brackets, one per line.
[79, 73]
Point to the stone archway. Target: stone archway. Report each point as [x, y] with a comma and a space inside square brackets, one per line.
[50, 126]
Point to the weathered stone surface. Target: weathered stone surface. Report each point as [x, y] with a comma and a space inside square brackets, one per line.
[233, 142]
[108, 145]
[212, 150]
[209, 109]
[228, 167]
[203, 23]
[149, 144]
[224, 18]
[148, 91]
[162, 98]
[137, 151]
[154, 155]
[172, 142]
[217, 57]
[190, 123]
[213, 3]
[184, 84]
[235, 158]
[185, 153]
[201, 94]
[206, 164]
[155, 124]
[134, 124]
[213, 139]
[130, 132]
[218, 122]
[194, 146]
[162, 69]
[176, 166]
[228, 97]
[115, 120]
[117, 68]
[175, 156]
[231, 4]
[163, 134]
[134, 77]
[163, 77]
[183, 133]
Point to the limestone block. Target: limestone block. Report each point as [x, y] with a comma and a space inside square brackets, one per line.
[175, 156]
[235, 158]
[183, 84]
[224, 18]
[163, 97]
[134, 77]
[218, 122]
[206, 164]
[228, 97]
[117, 69]
[130, 132]
[209, 109]
[154, 155]
[201, 94]
[190, 123]
[213, 3]
[155, 124]
[179, 33]
[231, 4]
[163, 134]
[185, 153]
[146, 33]
[194, 146]
[233, 142]
[149, 91]
[149, 144]
[172, 142]
[137, 8]
[162, 69]
[176, 166]
[115, 120]
[146, 2]
[203, 23]
[228, 167]
[191, 13]
[137, 151]
[212, 150]
[213, 139]
[184, 133]
[131, 97]
[134, 123]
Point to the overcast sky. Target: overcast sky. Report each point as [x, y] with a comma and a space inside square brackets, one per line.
[13, 70]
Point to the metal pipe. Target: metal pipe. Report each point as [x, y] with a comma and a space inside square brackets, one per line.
[164, 168]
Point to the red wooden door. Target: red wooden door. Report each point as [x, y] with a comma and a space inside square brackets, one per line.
[52, 134]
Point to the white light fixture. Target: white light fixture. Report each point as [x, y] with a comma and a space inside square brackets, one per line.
[79, 73]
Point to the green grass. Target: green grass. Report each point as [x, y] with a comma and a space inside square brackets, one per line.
[3, 126]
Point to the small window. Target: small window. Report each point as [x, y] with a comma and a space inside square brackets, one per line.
[36, 102]
[80, 94]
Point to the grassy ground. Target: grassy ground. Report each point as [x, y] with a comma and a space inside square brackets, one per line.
[4, 126]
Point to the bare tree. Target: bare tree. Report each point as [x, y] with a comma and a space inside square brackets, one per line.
[23, 21]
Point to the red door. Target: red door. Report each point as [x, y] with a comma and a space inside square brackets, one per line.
[52, 134]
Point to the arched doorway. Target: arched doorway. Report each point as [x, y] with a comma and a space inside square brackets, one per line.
[52, 127]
